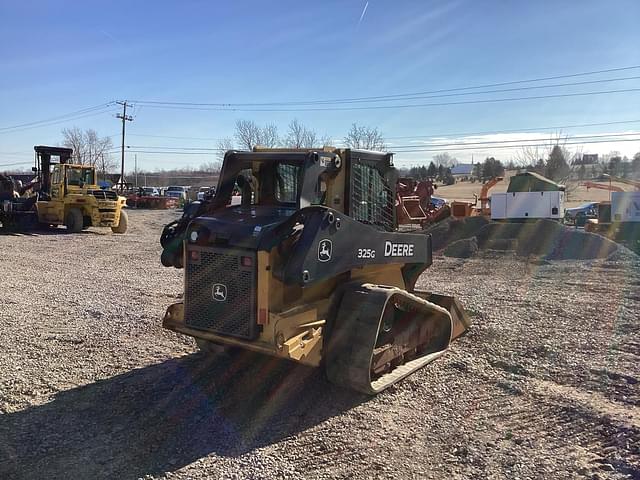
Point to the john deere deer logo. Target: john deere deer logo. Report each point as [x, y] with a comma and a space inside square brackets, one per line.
[219, 292]
[324, 250]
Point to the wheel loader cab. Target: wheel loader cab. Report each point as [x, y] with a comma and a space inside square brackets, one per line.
[309, 263]
[78, 176]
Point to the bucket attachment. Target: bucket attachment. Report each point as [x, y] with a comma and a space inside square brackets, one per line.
[460, 318]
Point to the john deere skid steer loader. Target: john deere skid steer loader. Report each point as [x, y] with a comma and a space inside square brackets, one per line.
[310, 267]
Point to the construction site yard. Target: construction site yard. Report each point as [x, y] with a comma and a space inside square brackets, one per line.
[576, 193]
[544, 385]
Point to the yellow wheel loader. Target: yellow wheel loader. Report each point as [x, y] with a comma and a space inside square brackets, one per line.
[310, 267]
[65, 194]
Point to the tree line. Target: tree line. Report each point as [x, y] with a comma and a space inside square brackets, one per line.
[555, 161]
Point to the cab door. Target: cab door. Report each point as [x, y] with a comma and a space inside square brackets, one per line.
[52, 211]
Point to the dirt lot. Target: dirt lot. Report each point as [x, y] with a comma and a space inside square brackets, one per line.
[576, 194]
[544, 386]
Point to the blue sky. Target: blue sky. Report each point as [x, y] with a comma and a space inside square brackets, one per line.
[59, 57]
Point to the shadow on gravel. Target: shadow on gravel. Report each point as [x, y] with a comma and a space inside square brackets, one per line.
[164, 416]
[48, 232]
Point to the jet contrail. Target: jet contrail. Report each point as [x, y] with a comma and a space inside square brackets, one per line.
[364, 10]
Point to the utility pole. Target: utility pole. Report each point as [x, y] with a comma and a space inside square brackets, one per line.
[125, 118]
[135, 162]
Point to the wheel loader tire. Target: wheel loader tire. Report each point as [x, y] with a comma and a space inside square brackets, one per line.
[73, 221]
[124, 223]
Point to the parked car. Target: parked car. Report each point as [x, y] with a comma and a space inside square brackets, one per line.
[438, 201]
[149, 192]
[579, 215]
[203, 191]
[176, 192]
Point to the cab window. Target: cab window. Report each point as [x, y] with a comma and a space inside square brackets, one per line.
[287, 183]
[55, 176]
[80, 176]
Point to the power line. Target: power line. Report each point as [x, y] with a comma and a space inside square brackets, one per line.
[436, 135]
[388, 107]
[56, 122]
[520, 140]
[175, 148]
[484, 92]
[447, 147]
[453, 149]
[15, 164]
[393, 147]
[177, 138]
[400, 95]
[395, 98]
[169, 153]
[517, 130]
[59, 117]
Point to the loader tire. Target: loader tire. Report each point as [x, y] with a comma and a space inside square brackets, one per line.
[73, 220]
[124, 223]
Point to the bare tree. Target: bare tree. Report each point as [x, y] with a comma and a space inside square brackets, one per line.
[534, 156]
[210, 167]
[249, 135]
[74, 138]
[367, 138]
[105, 164]
[224, 144]
[445, 160]
[88, 147]
[300, 136]
[326, 141]
[269, 136]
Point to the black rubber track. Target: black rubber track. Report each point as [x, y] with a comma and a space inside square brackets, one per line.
[355, 331]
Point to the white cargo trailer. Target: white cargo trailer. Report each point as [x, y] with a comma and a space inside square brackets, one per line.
[625, 206]
[523, 205]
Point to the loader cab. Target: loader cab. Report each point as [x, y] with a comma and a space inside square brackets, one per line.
[358, 183]
[79, 176]
[45, 158]
[278, 182]
[68, 178]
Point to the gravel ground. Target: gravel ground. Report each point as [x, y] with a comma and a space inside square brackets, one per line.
[545, 385]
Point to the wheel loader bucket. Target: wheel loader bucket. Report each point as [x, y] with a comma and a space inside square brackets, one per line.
[460, 318]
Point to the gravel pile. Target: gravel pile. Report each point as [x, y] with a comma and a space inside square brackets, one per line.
[545, 385]
[548, 239]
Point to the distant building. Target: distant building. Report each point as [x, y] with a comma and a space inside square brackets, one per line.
[589, 158]
[462, 170]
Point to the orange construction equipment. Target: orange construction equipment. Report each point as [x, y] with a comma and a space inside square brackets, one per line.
[413, 203]
[601, 186]
[468, 209]
[627, 181]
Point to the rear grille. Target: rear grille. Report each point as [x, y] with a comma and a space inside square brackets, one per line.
[104, 194]
[220, 293]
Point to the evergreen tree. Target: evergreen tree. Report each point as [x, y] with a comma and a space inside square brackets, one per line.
[635, 164]
[557, 166]
[432, 171]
